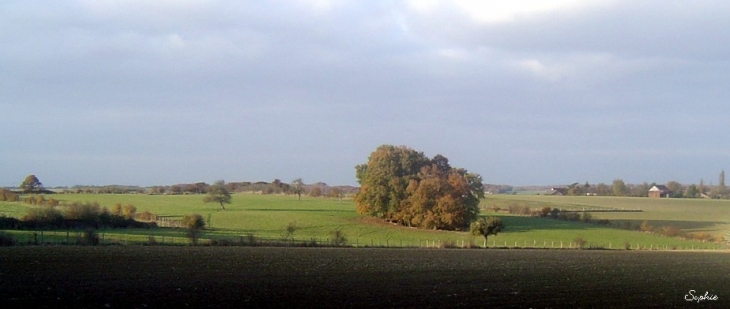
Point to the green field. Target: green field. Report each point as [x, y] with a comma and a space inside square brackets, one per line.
[245, 277]
[266, 217]
[695, 215]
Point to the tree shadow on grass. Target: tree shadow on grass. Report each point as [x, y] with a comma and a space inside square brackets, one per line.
[710, 226]
[299, 210]
[522, 224]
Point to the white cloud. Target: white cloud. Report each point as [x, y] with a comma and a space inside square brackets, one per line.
[505, 11]
[175, 41]
[540, 70]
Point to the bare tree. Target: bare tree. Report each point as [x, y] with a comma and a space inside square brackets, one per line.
[298, 185]
[218, 193]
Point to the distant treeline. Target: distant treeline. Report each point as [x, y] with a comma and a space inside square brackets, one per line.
[619, 188]
[261, 187]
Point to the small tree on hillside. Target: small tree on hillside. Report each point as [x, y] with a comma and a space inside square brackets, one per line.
[218, 193]
[486, 226]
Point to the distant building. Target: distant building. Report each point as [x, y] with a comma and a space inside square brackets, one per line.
[558, 191]
[659, 191]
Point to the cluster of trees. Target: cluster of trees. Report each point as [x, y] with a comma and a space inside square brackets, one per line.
[75, 215]
[619, 188]
[297, 187]
[127, 211]
[111, 189]
[32, 185]
[401, 185]
[498, 189]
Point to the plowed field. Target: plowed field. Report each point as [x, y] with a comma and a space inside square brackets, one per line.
[245, 277]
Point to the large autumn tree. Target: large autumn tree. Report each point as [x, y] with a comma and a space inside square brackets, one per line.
[399, 184]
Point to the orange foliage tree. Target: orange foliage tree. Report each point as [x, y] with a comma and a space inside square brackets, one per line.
[401, 185]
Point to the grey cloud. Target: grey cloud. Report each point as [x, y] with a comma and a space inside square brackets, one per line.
[258, 90]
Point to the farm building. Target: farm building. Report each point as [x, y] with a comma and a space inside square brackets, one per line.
[659, 191]
[557, 191]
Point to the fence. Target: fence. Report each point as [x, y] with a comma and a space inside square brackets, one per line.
[168, 221]
[74, 237]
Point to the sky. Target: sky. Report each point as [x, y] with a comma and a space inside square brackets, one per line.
[522, 92]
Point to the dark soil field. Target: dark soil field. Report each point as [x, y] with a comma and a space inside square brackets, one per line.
[244, 277]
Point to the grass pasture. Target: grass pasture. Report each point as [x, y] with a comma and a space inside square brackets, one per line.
[693, 215]
[244, 277]
[266, 217]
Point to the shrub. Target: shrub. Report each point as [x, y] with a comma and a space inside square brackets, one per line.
[580, 242]
[670, 231]
[554, 213]
[128, 211]
[290, 229]
[43, 217]
[8, 223]
[250, 240]
[448, 244]
[86, 214]
[7, 195]
[545, 212]
[311, 243]
[646, 227]
[220, 242]
[338, 238]
[720, 238]
[116, 209]
[6, 240]
[145, 216]
[194, 223]
[88, 238]
[702, 236]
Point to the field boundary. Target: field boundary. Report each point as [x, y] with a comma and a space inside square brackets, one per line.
[178, 238]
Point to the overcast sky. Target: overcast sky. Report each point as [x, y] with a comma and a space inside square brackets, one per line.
[522, 92]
